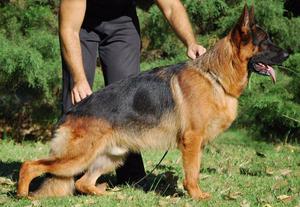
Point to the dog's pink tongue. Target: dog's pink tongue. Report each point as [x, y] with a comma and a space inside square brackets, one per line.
[272, 73]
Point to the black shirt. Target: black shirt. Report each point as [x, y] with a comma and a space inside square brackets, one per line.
[110, 3]
[105, 10]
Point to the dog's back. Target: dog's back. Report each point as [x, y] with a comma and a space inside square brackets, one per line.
[139, 101]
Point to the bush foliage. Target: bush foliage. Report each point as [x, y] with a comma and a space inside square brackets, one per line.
[29, 62]
[30, 75]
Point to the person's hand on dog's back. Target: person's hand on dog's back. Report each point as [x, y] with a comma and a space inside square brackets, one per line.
[80, 91]
[195, 50]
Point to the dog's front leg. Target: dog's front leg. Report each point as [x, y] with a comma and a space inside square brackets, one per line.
[191, 156]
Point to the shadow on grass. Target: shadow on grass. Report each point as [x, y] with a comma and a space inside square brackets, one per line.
[163, 184]
[10, 169]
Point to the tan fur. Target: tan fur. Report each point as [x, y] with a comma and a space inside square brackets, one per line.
[233, 74]
[210, 87]
[59, 142]
[162, 136]
[56, 186]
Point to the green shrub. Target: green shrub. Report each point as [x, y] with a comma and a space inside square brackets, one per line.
[204, 15]
[292, 68]
[159, 33]
[30, 67]
[270, 110]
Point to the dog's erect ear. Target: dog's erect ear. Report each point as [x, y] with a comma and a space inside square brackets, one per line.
[244, 21]
[241, 32]
[251, 16]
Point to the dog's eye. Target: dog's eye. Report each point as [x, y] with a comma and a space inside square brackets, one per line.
[264, 45]
[260, 34]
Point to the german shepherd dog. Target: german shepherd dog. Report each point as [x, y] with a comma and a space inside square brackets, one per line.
[184, 106]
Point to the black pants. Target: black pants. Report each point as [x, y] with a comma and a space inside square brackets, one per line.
[117, 42]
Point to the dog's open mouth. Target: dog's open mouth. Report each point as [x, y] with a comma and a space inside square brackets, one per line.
[264, 69]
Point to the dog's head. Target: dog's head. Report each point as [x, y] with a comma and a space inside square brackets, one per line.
[255, 46]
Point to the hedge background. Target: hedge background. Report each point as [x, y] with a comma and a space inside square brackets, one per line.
[30, 70]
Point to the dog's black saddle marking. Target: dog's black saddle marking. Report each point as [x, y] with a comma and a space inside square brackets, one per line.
[138, 101]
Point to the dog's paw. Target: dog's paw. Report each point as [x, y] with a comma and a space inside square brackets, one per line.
[202, 196]
[22, 194]
[102, 187]
[27, 196]
[199, 195]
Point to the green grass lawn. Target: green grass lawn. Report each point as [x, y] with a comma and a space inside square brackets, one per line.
[236, 169]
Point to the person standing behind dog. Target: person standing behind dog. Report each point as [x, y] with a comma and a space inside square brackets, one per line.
[111, 28]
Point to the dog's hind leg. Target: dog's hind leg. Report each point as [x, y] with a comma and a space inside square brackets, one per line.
[62, 167]
[80, 150]
[103, 164]
[191, 154]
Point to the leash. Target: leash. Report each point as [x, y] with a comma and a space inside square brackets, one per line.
[143, 178]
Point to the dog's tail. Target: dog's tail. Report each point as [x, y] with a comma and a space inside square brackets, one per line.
[55, 187]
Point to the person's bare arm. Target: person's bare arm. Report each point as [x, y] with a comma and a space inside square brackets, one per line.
[176, 15]
[71, 15]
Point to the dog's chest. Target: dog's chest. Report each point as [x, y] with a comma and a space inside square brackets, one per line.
[223, 117]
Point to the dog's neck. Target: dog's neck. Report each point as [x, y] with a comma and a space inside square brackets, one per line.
[221, 62]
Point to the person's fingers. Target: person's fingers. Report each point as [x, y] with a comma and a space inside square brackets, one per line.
[72, 98]
[195, 50]
[85, 91]
[201, 50]
[191, 54]
[80, 91]
[76, 96]
[82, 95]
[88, 90]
